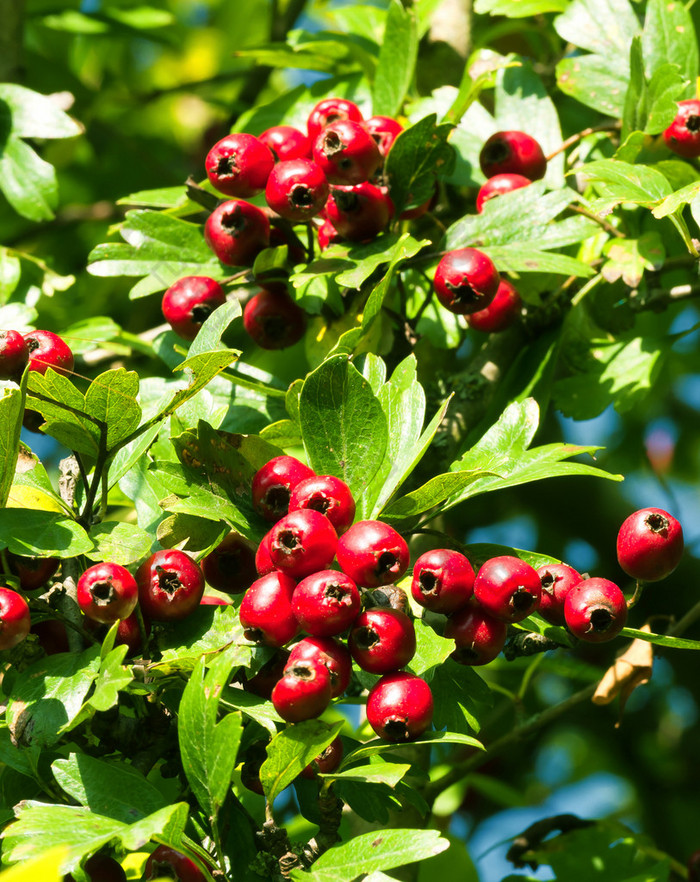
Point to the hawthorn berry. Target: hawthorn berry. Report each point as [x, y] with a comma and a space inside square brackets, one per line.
[14, 355]
[478, 636]
[372, 554]
[400, 707]
[328, 111]
[32, 572]
[346, 153]
[443, 580]
[297, 189]
[327, 761]
[500, 314]
[466, 280]
[497, 186]
[266, 610]
[52, 634]
[556, 581]
[302, 542]
[382, 640]
[683, 135]
[513, 152]
[237, 232]
[273, 320]
[507, 588]
[384, 130]
[239, 165]
[595, 610]
[167, 863]
[107, 592]
[263, 561]
[170, 585]
[48, 350]
[329, 652]
[14, 618]
[273, 484]
[326, 603]
[189, 302]
[129, 633]
[359, 213]
[328, 235]
[286, 142]
[327, 494]
[650, 544]
[303, 691]
[230, 567]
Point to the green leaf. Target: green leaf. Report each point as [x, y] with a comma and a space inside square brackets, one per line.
[368, 852]
[28, 182]
[373, 773]
[11, 413]
[665, 87]
[36, 116]
[342, 424]
[48, 696]
[622, 182]
[431, 494]
[120, 542]
[207, 630]
[634, 116]
[660, 639]
[63, 407]
[377, 745]
[112, 678]
[519, 8]
[10, 274]
[43, 533]
[291, 750]
[405, 248]
[431, 650]
[461, 698]
[208, 749]
[597, 82]
[580, 24]
[397, 60]
[111, 399]
[669, 35]
[208, 338]
[677, 200]
[479, 552]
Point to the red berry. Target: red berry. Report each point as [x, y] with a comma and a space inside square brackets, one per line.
[384, 130]
[263, 561]
[372, 554]
[556, 581]
[170, 585]
[274, 320]
[328, 235]
[303, 692]
[14, 618]
[400, 707]
[497, 186]
[508, 588]
[286, 142]
[513, 153]
[346, 153]
[52, 635]
[466, 281]
[48, 350]
[382, 640]
[166, 863]
[443, 581]
[683, 135]
[302, 542]
[478, 636]
[14, 354]
[32, 572]
[107, 592]
[328, 111]
[230, 567]
[329, 652]
[595, 610]
[297, 189]
[273, 484]
[500, 314]
[650, 544]
[239, 165]
[129, 633]
[327, 761]
[189, 302]
[359, 213]
[326, 603]
[237, 232]
[266, 610]
[327, 494]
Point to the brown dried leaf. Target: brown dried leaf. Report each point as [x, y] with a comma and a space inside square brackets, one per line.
[633, 668]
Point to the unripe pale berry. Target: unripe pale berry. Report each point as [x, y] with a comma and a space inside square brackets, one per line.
[650, 544]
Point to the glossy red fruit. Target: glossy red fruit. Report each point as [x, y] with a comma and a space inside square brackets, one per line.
[302, 542]
[515, 153]
[359, 213]
[328, 235]
[400, 707]
[303, 692]
[326, 603]
[501, 313]
[273, 484]
[129, 633]
[372, 554]
[273, 320]
[14, 355]
[48, 350]
[297, 189]
[52, 635]
[466, 280]
[497, 186]
[210, 600]
[556, 580]
[595, 610]
[478, 636]
[189, 302]
[443, 580]
[264, 681]
[101, 868]
[266, 611]
[683, 135]
[650, 544]
[328, 111]
[263, 561]
[239, 165]
[346, 153]
[327, 494]
[107, 592]
[230, 567]
[329, 652]
[286, 142]
[14, 618]
[166, 863]
[32, 572]
[170, 585]
[384, 130]
[237, 232]
[327, 761]
[507, 588]
[382, 640]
